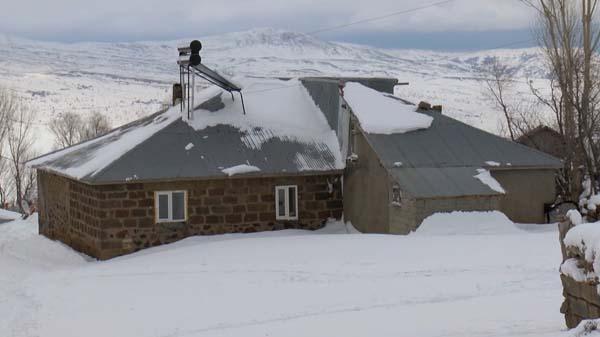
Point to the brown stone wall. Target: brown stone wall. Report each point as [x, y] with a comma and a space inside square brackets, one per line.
[110, 220]
[581, 299]
[70, 212]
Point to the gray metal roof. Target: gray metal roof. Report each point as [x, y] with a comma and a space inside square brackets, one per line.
[154, 148]
[440, 182]
[163, 156]
[442, 161]
[450, 143]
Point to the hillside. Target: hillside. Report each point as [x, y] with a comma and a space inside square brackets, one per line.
[129, 80]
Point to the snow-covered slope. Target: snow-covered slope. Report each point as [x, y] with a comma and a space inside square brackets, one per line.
[129, 80]
[291, 283]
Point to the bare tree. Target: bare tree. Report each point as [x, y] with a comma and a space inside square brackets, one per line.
[499, 82]
[67, 129]
[70, 129]
[8, 104]
[20, 147]
[569, 35]
[96, 125]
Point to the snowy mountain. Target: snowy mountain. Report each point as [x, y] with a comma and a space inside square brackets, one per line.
[129, 80]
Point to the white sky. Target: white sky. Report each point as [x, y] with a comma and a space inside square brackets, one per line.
[126, 20]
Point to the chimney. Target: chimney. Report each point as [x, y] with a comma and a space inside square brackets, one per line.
[437, 108]
[424, 105]
[177, 94]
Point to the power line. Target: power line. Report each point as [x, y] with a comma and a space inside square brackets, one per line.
[381, 17]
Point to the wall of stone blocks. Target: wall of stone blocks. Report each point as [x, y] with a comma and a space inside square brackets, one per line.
[581, 299]
[105, 221]
[70, 212]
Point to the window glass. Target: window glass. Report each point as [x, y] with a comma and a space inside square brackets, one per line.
[292, 201]
[163, 206]
[281, 201]
[178, 204]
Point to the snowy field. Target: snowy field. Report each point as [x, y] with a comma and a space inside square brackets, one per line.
[462, 275]
[127, 81]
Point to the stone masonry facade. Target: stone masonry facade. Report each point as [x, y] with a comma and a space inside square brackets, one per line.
[581, 299]
[106, 221]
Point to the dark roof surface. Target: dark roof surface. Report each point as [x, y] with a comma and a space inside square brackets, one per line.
[450, 143]
[165, 147]
[442, 161]
[163, 156]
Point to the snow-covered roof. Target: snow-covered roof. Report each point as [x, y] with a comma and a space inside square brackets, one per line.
[283, 132]
[382, 113]
[445, 159]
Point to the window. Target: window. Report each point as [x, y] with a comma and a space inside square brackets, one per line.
[396, 196]
[171, 206]
[286, 202]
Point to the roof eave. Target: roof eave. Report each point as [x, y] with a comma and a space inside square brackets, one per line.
[93, 182]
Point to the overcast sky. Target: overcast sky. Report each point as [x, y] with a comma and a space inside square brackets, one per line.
[459, 24]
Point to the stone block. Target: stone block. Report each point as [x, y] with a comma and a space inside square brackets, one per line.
[221, 209]
[578, 307]
[216, 192]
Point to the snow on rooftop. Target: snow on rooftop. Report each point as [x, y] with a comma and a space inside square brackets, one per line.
[274, 108]
[492, 163]
[102, 151]
[240, 169]
[381, 113]
[485, 177]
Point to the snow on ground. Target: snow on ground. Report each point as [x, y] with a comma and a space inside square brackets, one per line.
[290, 283]
[8, 215]
[467, 223]
[383, 114]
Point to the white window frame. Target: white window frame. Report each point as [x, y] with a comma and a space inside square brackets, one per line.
[286, 202]
[169, 195]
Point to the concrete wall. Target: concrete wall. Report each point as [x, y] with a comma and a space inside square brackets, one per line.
[105, 221]
[366, 182]
[526, 193]
[403, 217]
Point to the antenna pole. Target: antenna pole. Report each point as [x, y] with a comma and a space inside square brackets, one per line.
[191, 113]
[188, 92]
[181, 87]
[243, 106]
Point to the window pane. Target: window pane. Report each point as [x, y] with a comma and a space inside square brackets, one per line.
[281, 202]
[292, 201]
[178, 206]
[163, 206]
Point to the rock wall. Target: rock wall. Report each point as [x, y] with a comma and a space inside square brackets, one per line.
[105, 221]
[581, 294]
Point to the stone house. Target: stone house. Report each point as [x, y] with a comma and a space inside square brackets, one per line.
[306, 151]
[545, 139]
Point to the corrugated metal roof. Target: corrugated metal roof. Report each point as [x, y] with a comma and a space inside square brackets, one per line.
[156, 147]
[450, 143]
[436, 182]
[163, 156]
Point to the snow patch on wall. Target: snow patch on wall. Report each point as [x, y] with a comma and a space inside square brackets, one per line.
[485, 177]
